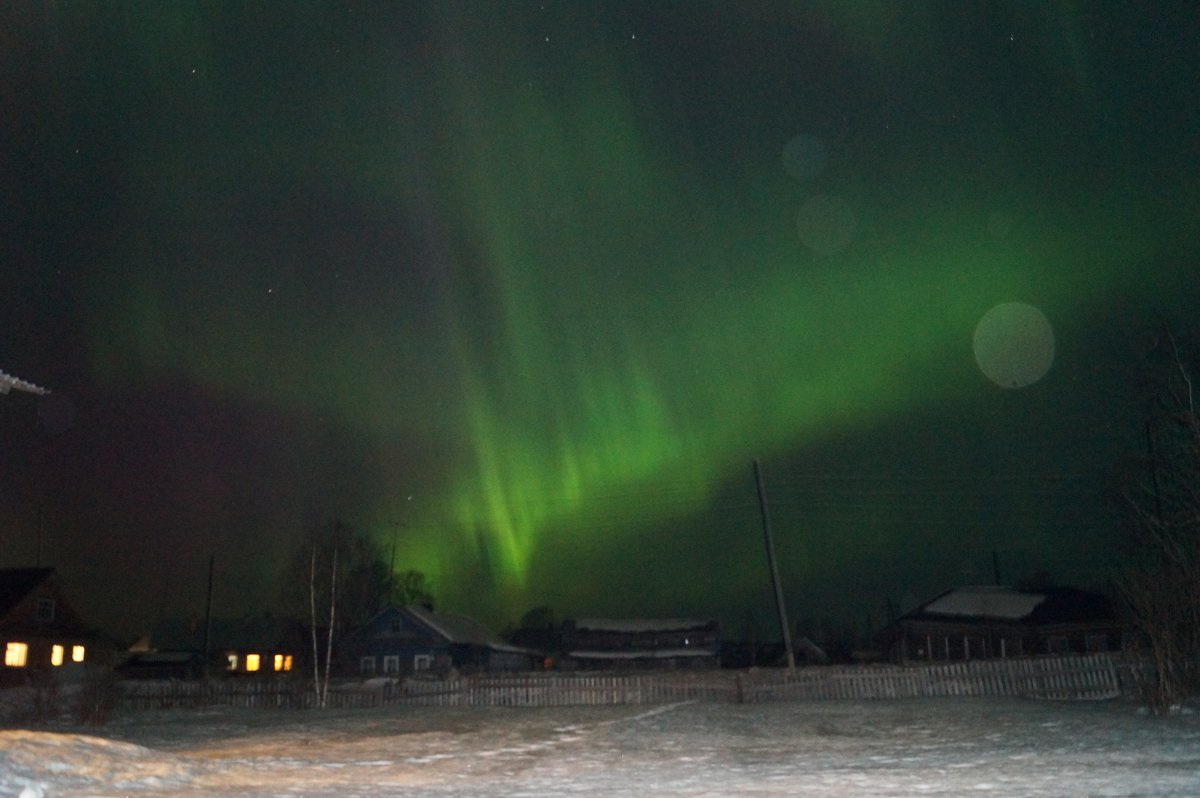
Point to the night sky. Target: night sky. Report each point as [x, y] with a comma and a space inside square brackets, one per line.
[524, 288]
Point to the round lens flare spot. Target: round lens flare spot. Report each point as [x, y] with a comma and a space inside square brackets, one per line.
[1014, 345]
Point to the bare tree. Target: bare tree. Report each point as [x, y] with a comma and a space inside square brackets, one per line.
[343, 572]
[362, 575]
[409, 587]
[321, 681]
[1160, 587]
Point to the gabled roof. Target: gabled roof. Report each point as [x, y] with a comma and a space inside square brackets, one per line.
[8, 382]
[641, 625]
[17, 583]
[1014, 605]
[985, 602]
[187, 634]
[453, 628]
[696, 652]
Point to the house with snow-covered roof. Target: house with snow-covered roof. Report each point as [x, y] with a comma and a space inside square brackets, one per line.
[640, 643]
[994, 622]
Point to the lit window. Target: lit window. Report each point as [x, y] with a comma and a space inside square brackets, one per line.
[231, 662]
[253, 662]
[56, 655]
[77, 653]
[15, 654]
[287, 662]
[278, 662]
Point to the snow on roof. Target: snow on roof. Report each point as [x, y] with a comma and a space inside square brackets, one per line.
[640, 624]
[985, 602]
[8, 382]
[660, 653]
[454, 628]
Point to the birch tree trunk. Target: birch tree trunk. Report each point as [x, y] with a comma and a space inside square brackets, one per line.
[332, 606]
[312, 602]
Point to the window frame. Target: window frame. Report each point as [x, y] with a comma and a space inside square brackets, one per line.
[47, 608]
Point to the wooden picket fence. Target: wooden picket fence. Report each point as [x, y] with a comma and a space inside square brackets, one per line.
[567, 689]
[1085, 677]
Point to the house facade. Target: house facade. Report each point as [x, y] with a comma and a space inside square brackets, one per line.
[604, 643]
[993, 622]
[41, 632]
[405, 640]
[261, 645]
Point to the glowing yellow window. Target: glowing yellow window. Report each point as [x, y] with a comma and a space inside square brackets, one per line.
[278, 662]
[253, 662]
[56, 655]
[15, 654]
[77, 653]
[287, 662]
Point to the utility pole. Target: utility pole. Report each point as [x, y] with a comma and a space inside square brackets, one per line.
[766, 522]
[208, 603]
[37, 560]
[391, 598]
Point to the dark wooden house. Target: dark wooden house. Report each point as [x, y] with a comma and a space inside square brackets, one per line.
[415, 639]
[641, 643]
[41, 631]
[255, 644]
[996, 622]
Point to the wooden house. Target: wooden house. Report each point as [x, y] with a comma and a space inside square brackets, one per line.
[641, 643]
[997, 622]
[41, 632]
[255, 644]
[415, 639]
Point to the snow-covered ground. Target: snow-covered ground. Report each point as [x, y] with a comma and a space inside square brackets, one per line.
[916, 747]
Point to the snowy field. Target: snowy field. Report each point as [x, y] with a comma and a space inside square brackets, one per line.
[915, 747]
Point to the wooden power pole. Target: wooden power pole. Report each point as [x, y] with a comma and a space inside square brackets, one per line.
[766, 522]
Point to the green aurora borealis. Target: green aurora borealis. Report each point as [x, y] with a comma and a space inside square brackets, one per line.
[541, 274]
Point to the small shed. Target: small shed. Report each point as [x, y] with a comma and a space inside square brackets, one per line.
[414, 639]
[992, 622]
[640, 643]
